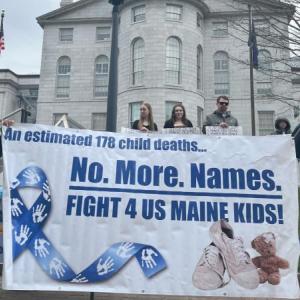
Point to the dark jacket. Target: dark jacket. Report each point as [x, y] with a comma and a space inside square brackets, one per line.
[216, 118]
[170, 123]
[279, 130]
[135, 125]
[296, 135]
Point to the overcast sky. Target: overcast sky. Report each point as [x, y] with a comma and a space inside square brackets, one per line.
[23, 36]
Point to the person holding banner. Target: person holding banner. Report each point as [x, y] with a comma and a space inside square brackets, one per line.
[282, 126]
[296, 136]
[145, 123]
[178, 118]
[7, 123]
[221, 117]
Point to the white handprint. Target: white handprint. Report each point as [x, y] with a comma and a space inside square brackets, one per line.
[15, 183]
[31, 177]
[80, 279]
[106, 267]
[124, 249]
[23, 236]
[147, 259]
[15, 209]
[40, 247]
[46, 191]
[58, 267]
[37, 213]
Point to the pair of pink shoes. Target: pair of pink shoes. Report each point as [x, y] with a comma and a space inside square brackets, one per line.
[225, 253]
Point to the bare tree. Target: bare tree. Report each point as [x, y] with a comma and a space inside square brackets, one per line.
[277, 26]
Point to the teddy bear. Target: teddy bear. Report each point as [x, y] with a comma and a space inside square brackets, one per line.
[268, 263]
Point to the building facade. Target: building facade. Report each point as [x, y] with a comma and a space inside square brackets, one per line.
[188, 51]
[18, 93]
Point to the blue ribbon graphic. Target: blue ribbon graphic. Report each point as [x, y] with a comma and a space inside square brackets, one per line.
[27, 234]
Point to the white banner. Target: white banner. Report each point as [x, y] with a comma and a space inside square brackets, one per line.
[159, 214]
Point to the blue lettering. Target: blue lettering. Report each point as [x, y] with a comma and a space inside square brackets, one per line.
[79, 168]
[198, 175]
[253, 179]
[269, 184]
[89, 206]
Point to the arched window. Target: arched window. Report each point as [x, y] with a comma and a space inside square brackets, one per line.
[199, 68]
[101, 76]
[63, 72]
[173, 60]
[138, 55]
[264, 74]
[221, 66]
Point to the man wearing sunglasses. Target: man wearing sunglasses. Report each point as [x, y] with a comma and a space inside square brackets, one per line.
[221, 117]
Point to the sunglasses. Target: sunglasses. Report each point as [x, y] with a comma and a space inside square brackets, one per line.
[224, 103]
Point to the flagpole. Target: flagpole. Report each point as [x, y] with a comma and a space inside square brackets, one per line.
[112, 97]
[251, 75]
[2, 47]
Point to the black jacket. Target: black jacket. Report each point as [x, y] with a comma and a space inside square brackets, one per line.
[170, 123]
[279, 130]
[136, 124]
[296, 135]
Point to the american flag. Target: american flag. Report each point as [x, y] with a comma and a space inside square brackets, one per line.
[2, 46]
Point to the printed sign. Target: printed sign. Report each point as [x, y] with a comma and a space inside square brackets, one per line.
[217, 130]
[163, 214]
[185, 130]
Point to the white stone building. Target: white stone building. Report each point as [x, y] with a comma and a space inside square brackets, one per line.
[170, 51]
[18, 92]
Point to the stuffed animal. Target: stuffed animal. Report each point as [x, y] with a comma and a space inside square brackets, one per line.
[268, 263]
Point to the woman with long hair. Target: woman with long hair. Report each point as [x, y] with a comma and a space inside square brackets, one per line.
[178, 118]
[145, 123]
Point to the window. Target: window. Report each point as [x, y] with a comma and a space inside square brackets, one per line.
[262, 28]
[199, 116]
[173, 61]
[101, 76]
[264, 88]
[33, 93]
[66, 34]
[221, 67]
[220, 29]
[199, 20]
[57, 117]
[296, 110]
[266, 122]
[169, 106]
[99, 121]
[264, 73]
[63, 77]
[134, 112]
[138, 53]
[174, 12]
[138, 14]
[199, 68]
[103, 33]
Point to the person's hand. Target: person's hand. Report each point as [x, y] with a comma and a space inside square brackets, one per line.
[223, 125]
[144, 129]
[8, 122]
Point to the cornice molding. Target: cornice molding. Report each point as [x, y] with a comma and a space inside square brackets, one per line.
[198, 3]
[76, 21]
[10, 82]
